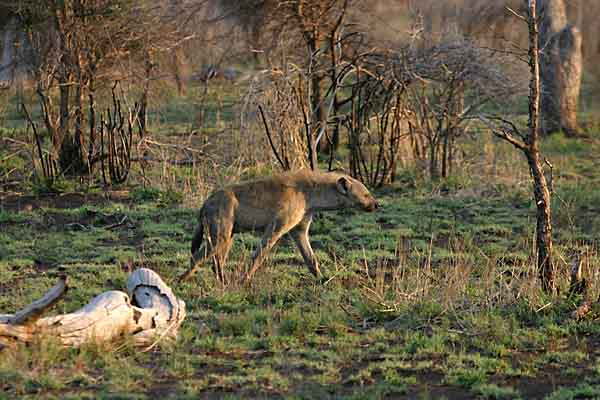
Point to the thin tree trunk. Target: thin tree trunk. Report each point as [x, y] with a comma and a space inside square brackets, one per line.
[79, 98]
[70, 156]
[540, 186]
[65, 94]
[142, 112]
[46, 106]
[335, 136]
[316, 98]
[63, 74]
[433, 163]
[69, 149]
[445, 153]
[529, 144]
[543, 224]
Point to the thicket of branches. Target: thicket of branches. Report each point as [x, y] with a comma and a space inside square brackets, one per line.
[326, 76]
[407, 100]
[74, 51]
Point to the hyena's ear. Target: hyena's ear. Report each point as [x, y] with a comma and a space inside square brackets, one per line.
[343, 185]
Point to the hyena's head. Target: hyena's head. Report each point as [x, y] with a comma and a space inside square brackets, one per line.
[355, 194]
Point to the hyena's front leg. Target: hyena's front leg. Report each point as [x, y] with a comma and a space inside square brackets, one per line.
[300, 236]
[215, 249]
[272, 234]
[199, 257]
[202, 251]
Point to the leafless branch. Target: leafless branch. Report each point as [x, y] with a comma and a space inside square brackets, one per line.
[275, 152]
[516, 14]
[504, 134]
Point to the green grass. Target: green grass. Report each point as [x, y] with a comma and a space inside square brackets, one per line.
[581, 391]
[434, 296]
[357, 336]
[492, 391]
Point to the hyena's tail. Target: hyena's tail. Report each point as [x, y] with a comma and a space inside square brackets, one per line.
[197, 239]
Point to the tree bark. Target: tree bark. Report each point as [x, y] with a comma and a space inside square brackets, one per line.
[561, 69]
[335, 135]
[543, 230]
[569, 78]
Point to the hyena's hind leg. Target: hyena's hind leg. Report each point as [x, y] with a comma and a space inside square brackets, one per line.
[217, 229]
[220, 236]
[220, 255]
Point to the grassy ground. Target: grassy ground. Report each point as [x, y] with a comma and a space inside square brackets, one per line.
[435, 296]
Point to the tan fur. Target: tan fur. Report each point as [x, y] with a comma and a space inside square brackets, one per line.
[275, 205]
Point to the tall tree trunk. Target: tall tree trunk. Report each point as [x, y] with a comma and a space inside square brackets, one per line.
[540, 186]
[8, 57]
[64, 97]
[64, 75]
[569, 82]
[92, 122]
[70, 158]
[561, 69]
[178, 73]
[79, 99]
[434, 173]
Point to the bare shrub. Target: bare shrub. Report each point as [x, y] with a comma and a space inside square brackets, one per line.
[375, 121]
[116, 131]
[284, 110]
[43, 161]
[451, 82]
[284, 98]
[426, 93]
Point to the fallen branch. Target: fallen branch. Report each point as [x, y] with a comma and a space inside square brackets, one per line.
[33, 311]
